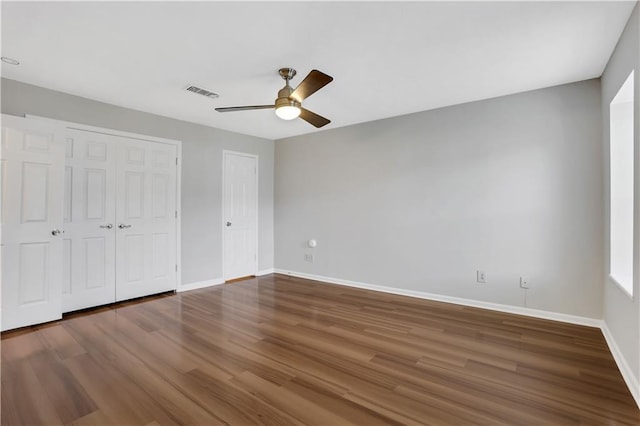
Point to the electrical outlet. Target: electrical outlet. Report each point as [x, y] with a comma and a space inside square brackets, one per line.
[308, 257]
[524, 282]
[481, 276]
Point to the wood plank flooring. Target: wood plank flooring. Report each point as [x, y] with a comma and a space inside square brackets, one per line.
[282, 350]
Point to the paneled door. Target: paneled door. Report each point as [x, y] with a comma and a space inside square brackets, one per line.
[145, 218]
[240, 213]
[32, 171]
[89, 220]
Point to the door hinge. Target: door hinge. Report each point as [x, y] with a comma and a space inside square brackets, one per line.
[176, 214]
[176, 267]
[176, 161]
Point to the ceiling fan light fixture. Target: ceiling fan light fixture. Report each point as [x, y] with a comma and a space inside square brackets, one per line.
[288, 112]
[287, 109]
[288, 104]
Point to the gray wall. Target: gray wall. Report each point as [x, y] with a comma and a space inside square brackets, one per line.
[510, 185]
[621, 313]
[202, 148]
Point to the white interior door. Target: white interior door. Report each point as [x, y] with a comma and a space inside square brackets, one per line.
[240, 214]
[32, 170]
[89, 217]
[145, 218]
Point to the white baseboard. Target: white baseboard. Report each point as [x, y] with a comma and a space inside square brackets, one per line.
[216, 281]
[537, 313]
[623, 366]
[200, 284]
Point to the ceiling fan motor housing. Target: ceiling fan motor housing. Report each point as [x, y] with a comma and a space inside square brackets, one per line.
[285, 93]
[286, 101]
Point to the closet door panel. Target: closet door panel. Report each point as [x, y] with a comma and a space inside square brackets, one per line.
[133, 263]
[32, 218]
[90, 219]
[146, 206]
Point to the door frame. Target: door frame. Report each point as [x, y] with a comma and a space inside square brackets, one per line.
[226, 152]
[69, 125]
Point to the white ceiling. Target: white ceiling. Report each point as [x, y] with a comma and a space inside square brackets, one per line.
[387, 58]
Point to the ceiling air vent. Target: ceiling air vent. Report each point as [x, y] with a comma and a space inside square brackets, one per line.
[202, 92]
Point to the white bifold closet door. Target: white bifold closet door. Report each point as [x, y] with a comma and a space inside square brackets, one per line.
[31, 174]
[120, 219]
[89, 217]
[146, 219]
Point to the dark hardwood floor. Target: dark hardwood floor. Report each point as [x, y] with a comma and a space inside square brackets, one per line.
[282, 350]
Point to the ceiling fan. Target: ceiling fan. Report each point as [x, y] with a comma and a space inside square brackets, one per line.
[288, 105]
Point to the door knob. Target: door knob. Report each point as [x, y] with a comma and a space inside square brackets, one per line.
[56, 232]
[228, 223]
[123, 226]
[108, 226]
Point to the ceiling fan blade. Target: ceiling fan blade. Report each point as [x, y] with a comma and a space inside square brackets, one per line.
[244, 108]
[313, 118]
[313, 82]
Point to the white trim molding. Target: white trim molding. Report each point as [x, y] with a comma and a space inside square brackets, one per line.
[200, 284]
[104, 130]
[623, 366]
[265, 272]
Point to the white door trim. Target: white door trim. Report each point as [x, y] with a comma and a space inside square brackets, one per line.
[225, 152]
[106, 131]
[177, 143]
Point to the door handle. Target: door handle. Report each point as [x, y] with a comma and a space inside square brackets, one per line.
[56, 232]
[123, 226]
[108, 226]
[228, 223]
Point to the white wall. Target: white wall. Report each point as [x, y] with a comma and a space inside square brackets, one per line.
[621, 313]
[202, 148]
[510, 185]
